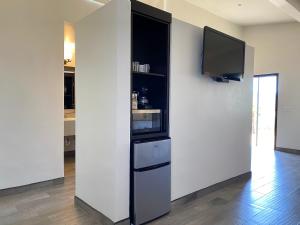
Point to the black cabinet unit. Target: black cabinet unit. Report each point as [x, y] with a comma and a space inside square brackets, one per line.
[150, 71]
[150, 166]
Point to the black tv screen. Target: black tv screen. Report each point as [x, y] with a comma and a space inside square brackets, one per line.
[223, 55]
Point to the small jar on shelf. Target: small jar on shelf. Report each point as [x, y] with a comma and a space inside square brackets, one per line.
[134, 100]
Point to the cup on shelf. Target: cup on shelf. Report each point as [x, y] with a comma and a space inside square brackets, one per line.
[135, 66]
[142, 68]
[134, 100]
[147, 68]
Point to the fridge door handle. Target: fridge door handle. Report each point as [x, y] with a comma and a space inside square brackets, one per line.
[152, 167]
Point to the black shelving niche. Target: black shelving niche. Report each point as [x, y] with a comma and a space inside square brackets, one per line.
[151, 45]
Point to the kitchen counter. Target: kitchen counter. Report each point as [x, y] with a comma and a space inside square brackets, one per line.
[69, 126]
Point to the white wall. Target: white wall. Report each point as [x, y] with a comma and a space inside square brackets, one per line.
[75, 10]
[210, 122]
[31, 92]
[189, 13]
[103, 109]
[277, 50]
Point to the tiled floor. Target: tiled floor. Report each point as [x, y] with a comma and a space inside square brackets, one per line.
[272, 196]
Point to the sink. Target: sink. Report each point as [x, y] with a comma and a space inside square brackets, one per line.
[70, 119]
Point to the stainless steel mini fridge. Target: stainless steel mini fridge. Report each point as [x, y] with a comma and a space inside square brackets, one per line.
[151, 179]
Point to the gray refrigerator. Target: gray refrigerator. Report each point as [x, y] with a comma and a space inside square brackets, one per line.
[151, 180]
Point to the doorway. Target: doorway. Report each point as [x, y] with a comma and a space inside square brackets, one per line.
[265, 101]
[69, 101]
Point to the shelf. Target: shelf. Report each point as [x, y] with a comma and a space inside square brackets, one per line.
[69, 69]
[143, 111]
[148, 74]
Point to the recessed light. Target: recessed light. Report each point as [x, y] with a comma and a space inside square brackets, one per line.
[240, 4]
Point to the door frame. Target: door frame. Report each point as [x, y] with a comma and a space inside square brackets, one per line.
[276, 102]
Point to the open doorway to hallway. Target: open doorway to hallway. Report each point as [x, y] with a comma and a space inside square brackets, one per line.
[69, 99]
[264, 119]
[264, 111]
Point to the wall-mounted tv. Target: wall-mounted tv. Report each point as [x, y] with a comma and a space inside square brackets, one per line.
[223, 56]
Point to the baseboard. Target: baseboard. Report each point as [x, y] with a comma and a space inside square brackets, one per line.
[102, 218]
[288, 150]
[176, 203]
[20, 189]
[194, 196]
[123, 222]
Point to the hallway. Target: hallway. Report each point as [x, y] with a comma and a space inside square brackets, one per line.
[271, 196]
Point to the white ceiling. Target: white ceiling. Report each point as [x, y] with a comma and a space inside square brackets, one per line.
[290, 7]
[244, 12]
[241, 12]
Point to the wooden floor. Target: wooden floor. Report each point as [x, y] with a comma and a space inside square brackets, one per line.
[272, 196]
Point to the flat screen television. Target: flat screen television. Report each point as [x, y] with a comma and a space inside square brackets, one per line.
[223, 56]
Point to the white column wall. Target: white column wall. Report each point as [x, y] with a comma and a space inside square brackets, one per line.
[103, 109]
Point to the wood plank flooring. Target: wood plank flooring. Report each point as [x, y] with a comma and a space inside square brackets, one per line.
[271, 196]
